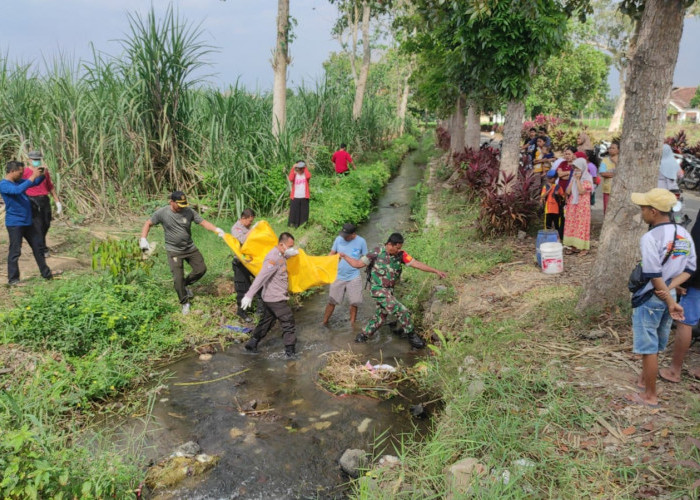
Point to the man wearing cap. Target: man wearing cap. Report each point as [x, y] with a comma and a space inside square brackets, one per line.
[177, 220]
[387, 263]
[273, 280]
[668, 260]
[39, 197]
[341, 159]
[18, 219]
[348, 281]
[242, 278]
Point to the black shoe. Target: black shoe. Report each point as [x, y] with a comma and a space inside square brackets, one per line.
[251, 345]
[416, 341]
[289, 351]
[246, 318]
[361, 337]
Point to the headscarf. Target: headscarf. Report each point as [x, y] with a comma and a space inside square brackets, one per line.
[669, 166]
[582, 165]
[586, 144]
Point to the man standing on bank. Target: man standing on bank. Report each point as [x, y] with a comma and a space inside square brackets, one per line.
[177, 220]
[39, 196]
[242, 278]
[274, 282]
[348, 281]
[387, 262]
[18, 219]
[340, 160]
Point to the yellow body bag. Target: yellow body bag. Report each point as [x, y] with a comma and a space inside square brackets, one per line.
[305, 271]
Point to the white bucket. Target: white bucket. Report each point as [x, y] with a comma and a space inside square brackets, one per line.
[552, 258]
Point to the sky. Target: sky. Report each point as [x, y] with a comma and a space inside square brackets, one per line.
[243, 31]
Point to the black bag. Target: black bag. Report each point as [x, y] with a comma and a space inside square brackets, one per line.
[637, 281]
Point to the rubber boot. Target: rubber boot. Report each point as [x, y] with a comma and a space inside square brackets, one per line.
[416, 341]
[252, 345]
[361, 337]
[289, 351]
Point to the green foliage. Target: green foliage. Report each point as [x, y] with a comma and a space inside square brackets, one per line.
[569, 81]
[118, 130]
[93, 314]
[123, 259]
[350, 198]
[695, 101]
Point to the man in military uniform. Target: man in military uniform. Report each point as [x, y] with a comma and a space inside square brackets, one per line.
[387, 263]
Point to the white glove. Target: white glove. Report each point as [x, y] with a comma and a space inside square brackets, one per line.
[143, 245]
[219, 232]
[59, 208]
[246, 302]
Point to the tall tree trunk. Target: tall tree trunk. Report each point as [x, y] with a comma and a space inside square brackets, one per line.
[473, 135]
[353, 20]
[616, 120]
[648, 89]
[279, 65]
[457, 127]
[366, 58]
[510, 150]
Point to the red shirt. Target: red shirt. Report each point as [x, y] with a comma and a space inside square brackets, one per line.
[44, 188]
[341, 159]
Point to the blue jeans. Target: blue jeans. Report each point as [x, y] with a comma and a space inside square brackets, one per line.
[651, 324]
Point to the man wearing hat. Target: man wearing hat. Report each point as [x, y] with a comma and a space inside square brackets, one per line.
[348, 281]
[299, 176]
[18, 219]
[39, 197]
[177, 220]
[668, 260]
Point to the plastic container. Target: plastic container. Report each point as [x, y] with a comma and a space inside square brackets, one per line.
[544, 236]
[552, 257]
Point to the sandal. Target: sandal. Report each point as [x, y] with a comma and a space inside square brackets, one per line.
[568, 251]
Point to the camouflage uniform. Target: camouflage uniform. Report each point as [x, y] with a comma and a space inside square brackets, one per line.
[385, 273]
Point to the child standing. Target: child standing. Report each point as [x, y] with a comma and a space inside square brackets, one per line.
[553, 199]
[668, 260]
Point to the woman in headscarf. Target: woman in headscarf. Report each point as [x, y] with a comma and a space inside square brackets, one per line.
[299, 206]
[583, 143]
[577, 228]
[668, 170]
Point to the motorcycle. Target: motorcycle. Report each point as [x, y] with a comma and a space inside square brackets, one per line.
[690, 165]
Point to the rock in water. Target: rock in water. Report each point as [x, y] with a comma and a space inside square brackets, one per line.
[352, 461]
[189, 449]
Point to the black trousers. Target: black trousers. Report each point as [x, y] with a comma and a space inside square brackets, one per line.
[17, 234]
[41, 218]
[555, 221]
[176, 261]
[242, 279]
[273, 311]
[298, 212]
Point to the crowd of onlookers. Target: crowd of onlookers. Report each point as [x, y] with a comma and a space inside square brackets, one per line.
[568, 184]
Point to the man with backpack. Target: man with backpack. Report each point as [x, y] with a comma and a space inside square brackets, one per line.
[386, 265]
[668, 260]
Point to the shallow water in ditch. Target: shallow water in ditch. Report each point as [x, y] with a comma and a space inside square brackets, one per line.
[292, 450]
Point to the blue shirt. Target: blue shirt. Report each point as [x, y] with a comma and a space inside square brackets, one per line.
[18, 208]
[355, 248]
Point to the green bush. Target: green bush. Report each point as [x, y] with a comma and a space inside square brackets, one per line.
[93, 314]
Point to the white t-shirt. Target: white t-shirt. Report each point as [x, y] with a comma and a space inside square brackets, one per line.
[656, 243]
[300, 186]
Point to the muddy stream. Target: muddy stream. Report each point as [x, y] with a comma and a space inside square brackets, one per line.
[292, 450]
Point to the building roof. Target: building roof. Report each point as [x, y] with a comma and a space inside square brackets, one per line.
[681, 96]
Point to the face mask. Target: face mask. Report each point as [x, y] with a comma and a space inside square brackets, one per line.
[36, 163]
[290, 252]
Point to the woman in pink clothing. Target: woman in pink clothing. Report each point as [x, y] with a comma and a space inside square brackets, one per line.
[299, 206]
